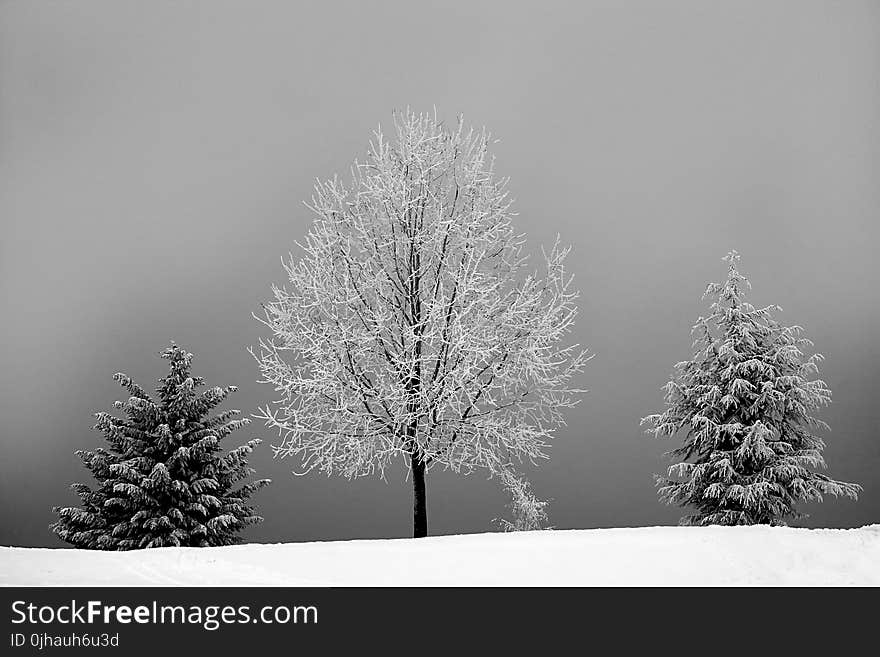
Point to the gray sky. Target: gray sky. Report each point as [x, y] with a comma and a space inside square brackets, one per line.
[154, 158]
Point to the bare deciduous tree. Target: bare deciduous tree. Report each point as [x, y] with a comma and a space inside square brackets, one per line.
[410, 326]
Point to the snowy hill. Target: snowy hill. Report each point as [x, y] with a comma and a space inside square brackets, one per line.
[596, 557]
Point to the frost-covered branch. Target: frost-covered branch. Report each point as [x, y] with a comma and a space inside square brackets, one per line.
[528, 513]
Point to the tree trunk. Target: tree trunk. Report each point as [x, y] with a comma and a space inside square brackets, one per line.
[420, 506]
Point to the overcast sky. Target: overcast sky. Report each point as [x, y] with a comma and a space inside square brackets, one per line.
[154, 158]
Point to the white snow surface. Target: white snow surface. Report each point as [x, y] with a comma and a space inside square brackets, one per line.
[644, 556]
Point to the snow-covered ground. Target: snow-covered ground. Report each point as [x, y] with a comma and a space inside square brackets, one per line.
[673, 556]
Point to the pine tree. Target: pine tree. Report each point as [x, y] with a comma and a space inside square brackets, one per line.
[745, 403]
[164, 480]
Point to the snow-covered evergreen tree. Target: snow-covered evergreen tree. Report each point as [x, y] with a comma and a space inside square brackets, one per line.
[164, 480]
[744, 403]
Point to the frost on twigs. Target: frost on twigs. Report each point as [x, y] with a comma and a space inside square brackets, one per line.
[410, 324]
[527, 512]
[744, 404]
